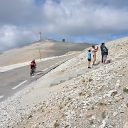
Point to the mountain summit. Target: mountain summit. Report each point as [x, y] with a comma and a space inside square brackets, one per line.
[37, 50]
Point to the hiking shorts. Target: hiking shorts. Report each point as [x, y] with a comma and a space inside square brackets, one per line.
[104, 57]
[89, 59]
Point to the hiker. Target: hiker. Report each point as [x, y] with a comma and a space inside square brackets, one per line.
[94, 50]
[104, 52]
[89, 58]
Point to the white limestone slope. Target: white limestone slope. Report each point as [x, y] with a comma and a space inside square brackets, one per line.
[92, 98]
[37, 50]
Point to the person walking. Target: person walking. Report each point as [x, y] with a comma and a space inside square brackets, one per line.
[94, 51]
[104, 52]
[89, 58]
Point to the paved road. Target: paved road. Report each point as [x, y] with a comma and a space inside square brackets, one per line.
[14, 80]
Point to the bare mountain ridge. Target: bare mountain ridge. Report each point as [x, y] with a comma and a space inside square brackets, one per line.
[38, 50]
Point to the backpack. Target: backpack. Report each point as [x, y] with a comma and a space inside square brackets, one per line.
[105, 50]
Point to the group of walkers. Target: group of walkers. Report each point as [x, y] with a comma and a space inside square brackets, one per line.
[92, 54]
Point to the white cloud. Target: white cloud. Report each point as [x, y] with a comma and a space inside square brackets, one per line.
[76, 18]
[91, 18]
[11, 36]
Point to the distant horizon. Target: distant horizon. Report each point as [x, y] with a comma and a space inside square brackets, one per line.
[50, 39]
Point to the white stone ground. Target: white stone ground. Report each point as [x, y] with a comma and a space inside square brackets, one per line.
[98, 98]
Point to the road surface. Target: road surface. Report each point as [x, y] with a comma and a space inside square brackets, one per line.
[17, 79]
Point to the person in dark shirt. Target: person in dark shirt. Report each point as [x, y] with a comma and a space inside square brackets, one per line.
[104, 52]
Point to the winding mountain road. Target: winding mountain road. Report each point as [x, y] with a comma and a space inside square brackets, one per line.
[16, 79]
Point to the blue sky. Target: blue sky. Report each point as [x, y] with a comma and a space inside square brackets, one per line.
[93, 21]
[40, 2]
